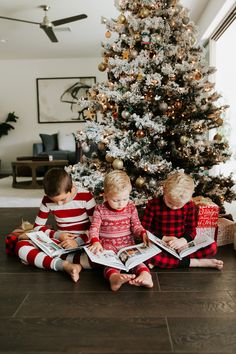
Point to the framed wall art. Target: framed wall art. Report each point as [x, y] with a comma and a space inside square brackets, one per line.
[57, 99]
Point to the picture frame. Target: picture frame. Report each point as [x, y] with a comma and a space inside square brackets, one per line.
[57, 99]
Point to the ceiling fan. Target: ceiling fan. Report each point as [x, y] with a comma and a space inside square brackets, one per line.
[46, 25]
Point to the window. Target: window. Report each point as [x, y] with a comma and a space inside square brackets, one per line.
[223, 57]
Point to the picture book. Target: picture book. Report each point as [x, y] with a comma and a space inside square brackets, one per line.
[127, 257]
[48, 245]
[191, 247]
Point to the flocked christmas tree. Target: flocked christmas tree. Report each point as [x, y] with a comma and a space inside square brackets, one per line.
[157, 107]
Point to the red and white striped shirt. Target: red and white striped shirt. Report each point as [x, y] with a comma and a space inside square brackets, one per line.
[73, 216]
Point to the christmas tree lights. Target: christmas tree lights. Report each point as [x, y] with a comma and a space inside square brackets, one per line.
[157, 106]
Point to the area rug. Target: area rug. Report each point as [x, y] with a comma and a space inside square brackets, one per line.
[18, 198]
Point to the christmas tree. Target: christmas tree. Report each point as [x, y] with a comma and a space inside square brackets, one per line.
[157, 107]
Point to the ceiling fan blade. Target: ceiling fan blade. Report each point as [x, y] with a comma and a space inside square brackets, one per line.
[16, 19]
[62, 21]
[49, 32]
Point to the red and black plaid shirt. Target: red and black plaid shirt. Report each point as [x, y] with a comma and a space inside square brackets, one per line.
[160, 220]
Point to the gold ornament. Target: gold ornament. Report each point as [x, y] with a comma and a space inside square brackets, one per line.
[108, 34]
[222, 198]
[101, 146]
[189, 28]
[121, 19]
[197, 75]
[183, 140]
[219, 121]
[217, 137]
[109, 158]
[139, 182]
[137, 37]
[102, 67]
[139, 77]
[144, 13]
[117, 164]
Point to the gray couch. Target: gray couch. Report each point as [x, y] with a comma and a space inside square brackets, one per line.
[49, 146]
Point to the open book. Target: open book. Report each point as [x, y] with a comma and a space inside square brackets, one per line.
[48, 245]
[191, 247]
[126, 258]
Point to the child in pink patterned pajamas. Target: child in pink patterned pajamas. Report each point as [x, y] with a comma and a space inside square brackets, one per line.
[116, 224]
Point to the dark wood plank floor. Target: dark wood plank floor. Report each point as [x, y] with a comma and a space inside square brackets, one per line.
[187, 311]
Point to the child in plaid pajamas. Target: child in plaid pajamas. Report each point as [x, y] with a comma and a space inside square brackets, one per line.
[172, 217]
[72, 210]
[115, 225]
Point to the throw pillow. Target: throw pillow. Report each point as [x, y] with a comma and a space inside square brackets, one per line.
[49, 142]
[66, 141]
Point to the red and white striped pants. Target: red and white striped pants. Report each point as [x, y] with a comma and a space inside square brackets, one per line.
[30, 254]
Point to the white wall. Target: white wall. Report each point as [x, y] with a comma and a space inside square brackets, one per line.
[18, 94]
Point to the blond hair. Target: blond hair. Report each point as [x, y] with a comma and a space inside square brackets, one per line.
[179, 187]
[116, 182]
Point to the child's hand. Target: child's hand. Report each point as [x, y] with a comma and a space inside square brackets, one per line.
[96, 247]
[69, 243]
[167, 239]
[67, 236]
[176, 243]
[23, 237]
[145, 239]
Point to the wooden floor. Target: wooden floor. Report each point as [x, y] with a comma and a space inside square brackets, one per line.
[187, 311]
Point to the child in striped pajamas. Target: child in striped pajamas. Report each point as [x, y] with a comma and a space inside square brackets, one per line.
[73, 210]
[115, 225]
[172, 217]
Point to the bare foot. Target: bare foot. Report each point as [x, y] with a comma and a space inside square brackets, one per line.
[144, 279]
[72, 269]
[118, 279]
[207, 262]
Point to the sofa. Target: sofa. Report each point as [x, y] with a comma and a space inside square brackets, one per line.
[60, 146]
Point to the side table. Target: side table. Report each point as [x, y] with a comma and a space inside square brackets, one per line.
[33, 165]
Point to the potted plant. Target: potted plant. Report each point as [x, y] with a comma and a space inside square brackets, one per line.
[6, 126]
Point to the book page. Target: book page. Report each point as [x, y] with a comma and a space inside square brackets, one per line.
[195, 245]
[106, 257]
[133, 255]
[48, 245]
[44, 242]
[163, 245]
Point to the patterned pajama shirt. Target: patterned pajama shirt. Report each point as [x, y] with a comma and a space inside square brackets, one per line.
[160, 220]
[116, 229]
[73, 217]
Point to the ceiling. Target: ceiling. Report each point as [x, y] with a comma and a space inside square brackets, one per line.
[19, 40]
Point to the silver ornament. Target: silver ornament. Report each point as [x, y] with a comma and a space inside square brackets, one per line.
[163, 106]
